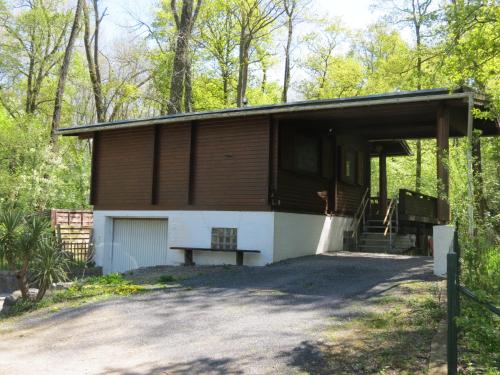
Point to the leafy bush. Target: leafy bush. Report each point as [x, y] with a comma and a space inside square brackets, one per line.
[479, 338]
[50, 265]
[22, 236]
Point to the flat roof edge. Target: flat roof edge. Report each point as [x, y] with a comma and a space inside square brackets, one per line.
[265, 110]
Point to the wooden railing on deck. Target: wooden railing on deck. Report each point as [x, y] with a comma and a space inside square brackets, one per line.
[416, 206]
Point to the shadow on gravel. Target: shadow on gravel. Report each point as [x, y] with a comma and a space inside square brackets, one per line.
[197, 366]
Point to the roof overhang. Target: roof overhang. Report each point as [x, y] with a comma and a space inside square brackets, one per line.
[397, 147]
[368, 114]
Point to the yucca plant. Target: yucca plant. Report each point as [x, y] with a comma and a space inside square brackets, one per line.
[50, 265]
[20, 239]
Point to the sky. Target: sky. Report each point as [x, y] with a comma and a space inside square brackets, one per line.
[356, 14]
[122, 15]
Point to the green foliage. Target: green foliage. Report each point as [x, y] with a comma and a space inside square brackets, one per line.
[50, 265]
[166, 279]
[102, 286]
[91, 289]
[36, 176]
[479, 328]
[22, 237]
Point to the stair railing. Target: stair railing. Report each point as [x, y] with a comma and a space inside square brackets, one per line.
[392, 211]
[360, 216]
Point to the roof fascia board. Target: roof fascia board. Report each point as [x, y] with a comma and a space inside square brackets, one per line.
[265, 111]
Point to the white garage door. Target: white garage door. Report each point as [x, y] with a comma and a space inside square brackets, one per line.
[138, 243]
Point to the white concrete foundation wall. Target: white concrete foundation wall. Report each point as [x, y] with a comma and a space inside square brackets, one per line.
[297, 235]
[193, 228]
[442, 238]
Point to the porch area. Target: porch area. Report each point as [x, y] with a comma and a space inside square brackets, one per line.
[329, 150]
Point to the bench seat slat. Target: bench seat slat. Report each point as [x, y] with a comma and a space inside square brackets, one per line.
[210, 249]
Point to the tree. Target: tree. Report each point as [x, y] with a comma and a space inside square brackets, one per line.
[218, 39]
[31, 49]
[420, 17]
[255, 19]
[93, 58]
[292, 9]
[20, 238]
[56, 116]
[181, 72]
[330, 75]
[385, 57]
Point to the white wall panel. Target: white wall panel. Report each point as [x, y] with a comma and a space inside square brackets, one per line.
[193, 228]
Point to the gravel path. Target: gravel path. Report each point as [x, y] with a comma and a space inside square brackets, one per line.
[235, 321]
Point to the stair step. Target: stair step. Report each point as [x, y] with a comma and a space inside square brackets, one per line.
[382, 240]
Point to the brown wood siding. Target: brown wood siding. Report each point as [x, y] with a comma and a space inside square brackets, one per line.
[173, 166]
[348, 198]
[232, 164]
[299, 193]
[125, 168]
[224, 164]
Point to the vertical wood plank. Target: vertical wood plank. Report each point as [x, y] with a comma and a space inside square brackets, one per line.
[443, 184]
[94, 169]
[332, 191]
[192, 163]
[156, 161]
[273, 161]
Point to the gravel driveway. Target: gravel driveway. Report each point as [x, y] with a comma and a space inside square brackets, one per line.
[238, 321]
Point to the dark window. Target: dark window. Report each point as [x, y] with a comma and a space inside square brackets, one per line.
[349, 166]
[306, 154]
[224, 238]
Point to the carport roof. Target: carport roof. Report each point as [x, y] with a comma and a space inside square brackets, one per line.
[408, 114]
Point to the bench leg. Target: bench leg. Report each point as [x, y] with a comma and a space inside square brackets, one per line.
[239, 258]
[188, 258]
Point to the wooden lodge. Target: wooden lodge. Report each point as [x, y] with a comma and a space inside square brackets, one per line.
[280, 181]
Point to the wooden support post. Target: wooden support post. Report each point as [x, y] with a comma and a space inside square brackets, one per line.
[442, 157]
[239, 258]
[382, 183]
[188, 257]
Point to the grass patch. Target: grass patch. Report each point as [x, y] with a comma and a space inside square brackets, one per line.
[391, 333]
[163, 279]
[88, 290]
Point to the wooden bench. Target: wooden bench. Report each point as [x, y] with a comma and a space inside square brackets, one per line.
[188, 253]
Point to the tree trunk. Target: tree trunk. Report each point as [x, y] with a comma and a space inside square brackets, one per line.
[418, 174]
[181, 66]
[93, 62]
[56, 116]
[42, 289]
[243, 70]
[22, 281]
[286, 80]
[188, 90]
[418, 169]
